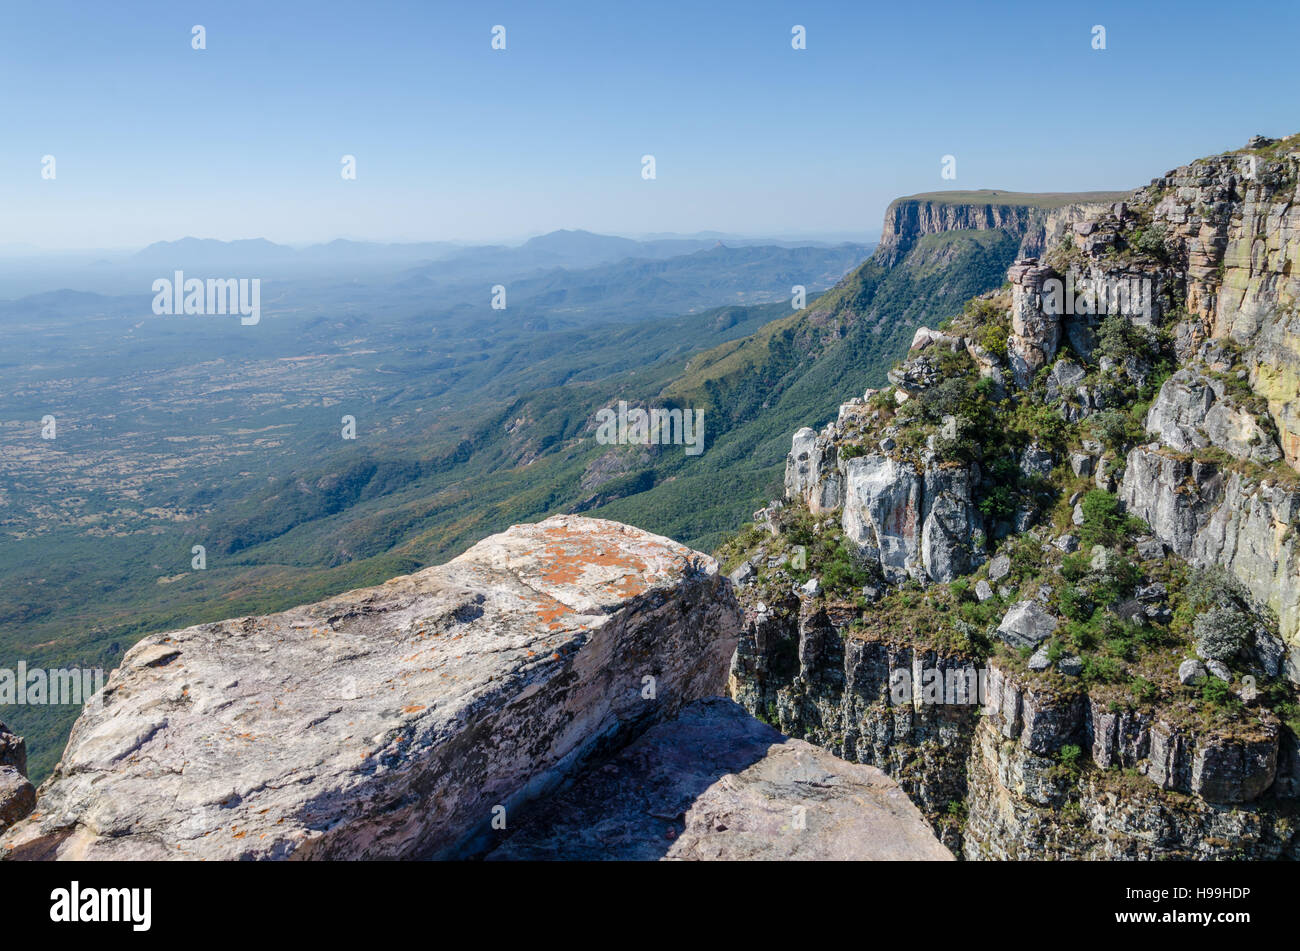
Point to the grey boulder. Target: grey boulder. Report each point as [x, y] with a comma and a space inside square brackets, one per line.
[1071, 665]
[1191, 671]
[1026, 624]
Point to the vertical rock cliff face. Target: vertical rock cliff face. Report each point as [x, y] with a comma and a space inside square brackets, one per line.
[811, 473]
[1232, 226]
[978, 746]
[912, 523]
[1215, 517]
[1233, 223]
[883, 516]
[1035, 330]
[1081, 494]
[793, 668]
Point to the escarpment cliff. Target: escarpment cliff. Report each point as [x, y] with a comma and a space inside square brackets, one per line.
[1048, 577]
[1036, 221]
[1013, 762]
[1212, 484]
[427, 717]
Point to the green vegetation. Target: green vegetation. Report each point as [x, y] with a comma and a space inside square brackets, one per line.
[1103, 518]
[1150, 241]
[1069, 756]
[1216, 692]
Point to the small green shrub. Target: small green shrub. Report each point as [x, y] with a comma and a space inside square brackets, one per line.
[993, 339]
[1216, 692]
[1144, 690]
[1116, 430]
[1102, 519]
[1150, 240]
[1069, 756]
[998, 503]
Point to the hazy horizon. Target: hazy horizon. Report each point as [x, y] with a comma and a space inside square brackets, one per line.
[20, 249]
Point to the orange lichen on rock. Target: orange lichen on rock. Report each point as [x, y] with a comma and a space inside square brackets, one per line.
[571, 552]
[549, 611]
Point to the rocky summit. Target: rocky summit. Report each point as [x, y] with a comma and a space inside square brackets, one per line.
[422, 717]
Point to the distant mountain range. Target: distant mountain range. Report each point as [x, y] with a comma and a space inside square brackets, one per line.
[564, 248]
[27, 271]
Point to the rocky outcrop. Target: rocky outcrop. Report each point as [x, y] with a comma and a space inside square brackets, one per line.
[1233, 225]
[1194, 411]
[882, 513]
[1026, 624]
[17, 795]
[987, 741]
[1216, 515]
[717, 784]
[912, 523]
[390, 722]
[811, 473]
[950, 545]
[1035, 329]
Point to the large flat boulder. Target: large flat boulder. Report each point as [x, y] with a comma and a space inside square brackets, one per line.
[390, 722]
[717, 784]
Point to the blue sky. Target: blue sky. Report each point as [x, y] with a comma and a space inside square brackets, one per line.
[453, 140]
